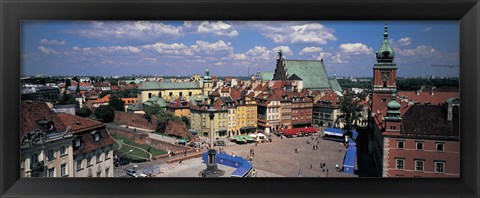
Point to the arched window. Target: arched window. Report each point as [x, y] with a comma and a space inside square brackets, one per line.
[149, 95]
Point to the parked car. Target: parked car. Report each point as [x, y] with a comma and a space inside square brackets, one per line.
[193, 144]
[219, 143]
[120, 161]
[132, 173]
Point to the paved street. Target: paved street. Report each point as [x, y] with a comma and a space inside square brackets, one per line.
[273, 159]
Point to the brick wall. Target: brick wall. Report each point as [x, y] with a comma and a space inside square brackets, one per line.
[167, 146]
[135, 120]
[139, 138]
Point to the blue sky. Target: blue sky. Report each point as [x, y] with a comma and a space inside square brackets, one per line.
[233, 47]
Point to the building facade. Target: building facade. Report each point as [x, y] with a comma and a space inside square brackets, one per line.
[92, 147]
[46, 143]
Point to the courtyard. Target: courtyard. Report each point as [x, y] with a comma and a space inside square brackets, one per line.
[272, 159]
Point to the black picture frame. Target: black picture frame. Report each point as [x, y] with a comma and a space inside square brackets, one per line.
[13, 12]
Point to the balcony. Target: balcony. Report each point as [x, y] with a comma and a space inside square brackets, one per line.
[37, 166]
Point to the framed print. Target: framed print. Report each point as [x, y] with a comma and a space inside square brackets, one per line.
[308, 98]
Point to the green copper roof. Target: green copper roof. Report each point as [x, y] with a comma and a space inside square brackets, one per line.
[393, 105]
[168, 85]
[136, 106]
[312, 72]
[266, 75]
[193, 99]
[155, 100]
[385, 53]
[335, 85]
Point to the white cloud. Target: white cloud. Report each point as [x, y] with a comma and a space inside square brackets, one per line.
[171, 49]
[218, 28]
[52, 42]
[129, 30]
[426, 29]
[294, 32]
[421, 50]
[339, 58]
[219, 47]
[46, 50]
[285, 50]
[404, 41]
[355, 49]
[308, 50]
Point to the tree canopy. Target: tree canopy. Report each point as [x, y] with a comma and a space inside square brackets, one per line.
[350, 112]
[116, 103]
[104, 113]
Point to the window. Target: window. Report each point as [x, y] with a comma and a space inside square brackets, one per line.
[439, 146]
[79, 165]
[419, 165]
[399, 163]
[419, 145]
[77, 143]
[34, 158]
[89, 161]
[180, 94]
[96, 137]
[51, 172]
[400, 144]
[149, 95]
[107, 156]
[170, 94]
[51, 154]
[63, 170]
[439, 167]
[99, 159]
[63, 151]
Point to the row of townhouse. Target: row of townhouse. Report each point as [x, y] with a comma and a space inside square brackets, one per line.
[62, 145]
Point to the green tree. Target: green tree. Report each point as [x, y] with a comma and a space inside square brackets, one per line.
[78, 88]
[186, 121]
[104, 113]
[116, 103]
[82, 112]
[350, 112]
[75, 79]
[69, 99]
[104, 93]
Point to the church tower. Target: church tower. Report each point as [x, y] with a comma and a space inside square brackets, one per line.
[385, 70]
[207, 83]
[280, 73]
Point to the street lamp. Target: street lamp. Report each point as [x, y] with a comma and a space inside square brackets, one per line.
[125, 153]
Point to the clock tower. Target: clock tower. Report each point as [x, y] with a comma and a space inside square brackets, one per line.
[385, 70]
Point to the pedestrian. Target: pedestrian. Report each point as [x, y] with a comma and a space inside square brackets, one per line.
[336, 167]
[281, 137]
[313, 147]
[256, 143]
[311, 166]
[340, 150]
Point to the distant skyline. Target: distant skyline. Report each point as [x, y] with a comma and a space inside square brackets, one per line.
[233, 48]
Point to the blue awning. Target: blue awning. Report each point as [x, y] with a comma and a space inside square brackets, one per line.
[354, 135]
[349, 160]
[333, 131]
[242, 165]
[351, 142]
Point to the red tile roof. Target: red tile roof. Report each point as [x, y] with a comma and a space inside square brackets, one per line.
[79, 124]
[435, 99]
[32, 112]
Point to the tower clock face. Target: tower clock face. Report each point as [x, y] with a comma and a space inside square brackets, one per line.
[385, 76]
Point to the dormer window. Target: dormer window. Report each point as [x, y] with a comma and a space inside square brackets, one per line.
[95, 135]
[77, 142]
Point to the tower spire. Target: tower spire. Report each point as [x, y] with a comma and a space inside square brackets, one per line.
[385, 34]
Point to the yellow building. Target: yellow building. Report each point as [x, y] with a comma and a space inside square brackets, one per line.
[232, 116]
[179, 108]
[200, 119]
[207, 83]
[168, 90]
[246, 116]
